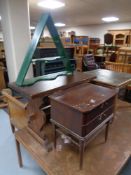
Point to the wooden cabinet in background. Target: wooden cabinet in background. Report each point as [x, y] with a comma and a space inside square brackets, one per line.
[75, 40]
[121, 37]
[94, 44]
[2, 51]
[80, 51]
[2, 79]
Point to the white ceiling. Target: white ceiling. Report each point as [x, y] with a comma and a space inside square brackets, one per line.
[84, 12]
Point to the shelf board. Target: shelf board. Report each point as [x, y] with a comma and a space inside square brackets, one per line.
[118, 39]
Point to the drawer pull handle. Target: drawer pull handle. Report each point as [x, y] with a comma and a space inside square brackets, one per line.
[106, 103]
[100, 118]
[102, 106]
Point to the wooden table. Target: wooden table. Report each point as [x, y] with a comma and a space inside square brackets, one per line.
[45, 88]
[42, 89]
[66, 162]
[109, 78]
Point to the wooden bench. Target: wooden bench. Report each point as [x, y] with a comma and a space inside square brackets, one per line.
[18, 112]
[33, 146]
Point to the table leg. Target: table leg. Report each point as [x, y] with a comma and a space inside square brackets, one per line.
[81, 152]
[54, 127]
[19, 153]
[38, 117]
[107, 131]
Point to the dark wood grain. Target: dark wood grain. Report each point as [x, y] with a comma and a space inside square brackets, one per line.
[110, 78]
[84, 97]
[82, 111]
[99, 158]
[44, 88]
[82, 105]
[36, 93]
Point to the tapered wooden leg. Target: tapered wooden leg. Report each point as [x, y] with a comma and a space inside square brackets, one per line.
[54, 135]
[12, 128]
[19, 153]
[81, 152]
[106, 131]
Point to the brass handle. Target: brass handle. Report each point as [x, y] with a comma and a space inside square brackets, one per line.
[102, 106]
[106, 103]
[104, 115]
[100, 118]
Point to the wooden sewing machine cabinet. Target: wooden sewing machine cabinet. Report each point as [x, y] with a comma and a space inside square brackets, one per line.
[81, 112]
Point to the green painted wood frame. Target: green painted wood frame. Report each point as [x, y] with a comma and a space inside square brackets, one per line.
[45, 20]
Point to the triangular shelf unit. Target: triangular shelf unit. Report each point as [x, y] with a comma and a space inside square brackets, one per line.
[45, 20]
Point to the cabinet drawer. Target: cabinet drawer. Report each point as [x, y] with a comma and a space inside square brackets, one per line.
[97, 121]
[97, 111]
[108, 103]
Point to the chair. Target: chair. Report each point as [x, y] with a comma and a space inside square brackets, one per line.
[20, 120]
[113, 57]
[108, 44]
[89, 62]
[18, 112]
[108, 39]
[19, 117]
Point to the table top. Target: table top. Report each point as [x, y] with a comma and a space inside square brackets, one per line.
[110, 78]
[84, 97]
[45, 88]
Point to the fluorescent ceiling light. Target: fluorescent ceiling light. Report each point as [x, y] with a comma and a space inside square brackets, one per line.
[51, 4]
[0, 17]
[59, 24]
[110, 19]
[32, 27]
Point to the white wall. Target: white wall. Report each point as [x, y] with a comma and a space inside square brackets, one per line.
[91, 30]
[15, 28]
[96, 30]
[1, 36]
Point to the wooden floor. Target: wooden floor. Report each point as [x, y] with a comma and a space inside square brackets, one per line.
[99, 159]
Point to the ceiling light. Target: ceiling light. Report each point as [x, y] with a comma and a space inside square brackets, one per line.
[59, 24]
[51, 4]
[110, 19]
[32, 27]
[0, 17]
